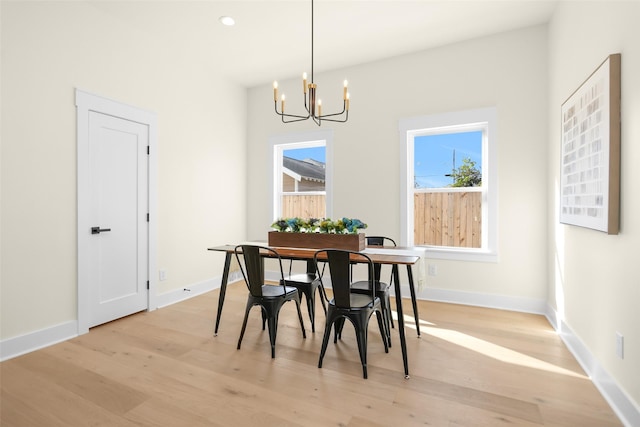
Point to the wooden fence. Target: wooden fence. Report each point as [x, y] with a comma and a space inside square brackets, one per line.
[440, 218]
[448, 219]
[303, 205]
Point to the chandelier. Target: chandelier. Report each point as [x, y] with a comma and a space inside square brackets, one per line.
[312, 103]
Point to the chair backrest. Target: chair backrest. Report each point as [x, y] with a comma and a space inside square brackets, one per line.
[252, 265]
[340, 262]
[379, 241]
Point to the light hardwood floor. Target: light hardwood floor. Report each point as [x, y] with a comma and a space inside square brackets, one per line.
[472, 367]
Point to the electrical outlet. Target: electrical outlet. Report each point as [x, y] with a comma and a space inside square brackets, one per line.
[619, 345]
[163, 275]
[433, 270]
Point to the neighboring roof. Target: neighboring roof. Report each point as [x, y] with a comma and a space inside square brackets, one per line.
[308, 169]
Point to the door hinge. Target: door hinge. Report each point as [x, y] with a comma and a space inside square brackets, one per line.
[147, 217]
[148, 149]
[147, 284]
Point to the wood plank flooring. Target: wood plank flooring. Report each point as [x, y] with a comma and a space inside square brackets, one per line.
[472, 367]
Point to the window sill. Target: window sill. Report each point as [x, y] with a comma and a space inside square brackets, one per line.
[460, 254]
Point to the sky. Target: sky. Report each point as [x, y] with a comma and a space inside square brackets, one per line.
[315, 153]
[434, 156]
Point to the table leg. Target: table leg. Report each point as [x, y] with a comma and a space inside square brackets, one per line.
[413, 299]
[403, 342]
[223, 290]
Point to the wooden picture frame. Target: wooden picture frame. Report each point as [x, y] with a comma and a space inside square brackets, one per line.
[590, 161]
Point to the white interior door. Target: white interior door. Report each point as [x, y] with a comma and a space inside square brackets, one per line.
[118, 242]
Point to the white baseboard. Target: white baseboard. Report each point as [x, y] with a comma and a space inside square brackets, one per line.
[193, 290]
[623, 406]
[525, 305]
[23, 344]
[502, 302]
[177, 295]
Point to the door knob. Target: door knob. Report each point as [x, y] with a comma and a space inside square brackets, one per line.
[98, 230]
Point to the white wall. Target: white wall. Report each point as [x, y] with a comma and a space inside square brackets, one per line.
[49, 49]
[508, 71]
[593, 277]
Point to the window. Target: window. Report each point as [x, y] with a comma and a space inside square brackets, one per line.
[448, 186]
[301, 175]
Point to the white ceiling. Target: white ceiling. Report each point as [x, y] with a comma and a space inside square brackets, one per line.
[272, 39]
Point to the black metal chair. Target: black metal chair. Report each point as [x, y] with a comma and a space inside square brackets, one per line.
[269, 297]
[357, 307]
[307, 284]
[382, 288]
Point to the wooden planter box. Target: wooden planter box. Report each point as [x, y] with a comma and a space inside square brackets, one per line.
[353, 242]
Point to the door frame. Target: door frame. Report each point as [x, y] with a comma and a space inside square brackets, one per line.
[85, 103]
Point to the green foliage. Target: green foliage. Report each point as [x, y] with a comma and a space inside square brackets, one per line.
[466, 175]
[315, 225]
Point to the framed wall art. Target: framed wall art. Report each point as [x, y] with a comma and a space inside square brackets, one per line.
[590, 161]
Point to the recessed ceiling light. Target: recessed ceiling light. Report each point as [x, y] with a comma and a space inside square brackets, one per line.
[227, 20]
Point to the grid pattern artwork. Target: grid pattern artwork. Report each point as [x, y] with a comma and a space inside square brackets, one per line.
[590, 162]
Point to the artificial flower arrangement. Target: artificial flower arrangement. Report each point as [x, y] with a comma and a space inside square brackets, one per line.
[316, 225]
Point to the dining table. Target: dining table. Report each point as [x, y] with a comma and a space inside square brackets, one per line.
[394, 256]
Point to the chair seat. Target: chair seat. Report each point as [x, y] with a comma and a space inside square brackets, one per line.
[364, 285]
[269, 291]
[302, 278]
[359, 301]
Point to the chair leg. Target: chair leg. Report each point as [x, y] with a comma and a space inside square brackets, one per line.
[264, 318]
[273, 330]
[325, 340]
[386, 313]
[309, 296]
[337, 332]
[383, 330]
[244, 323]
[390, 316]
[304, 333]
[361, 337]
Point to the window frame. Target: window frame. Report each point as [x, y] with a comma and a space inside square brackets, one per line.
[484, 119]
[280, 143]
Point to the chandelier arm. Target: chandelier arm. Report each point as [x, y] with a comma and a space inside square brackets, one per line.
[293, 120]
[336, 114]
[293, 116]
[283, 115]
[335, 120]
